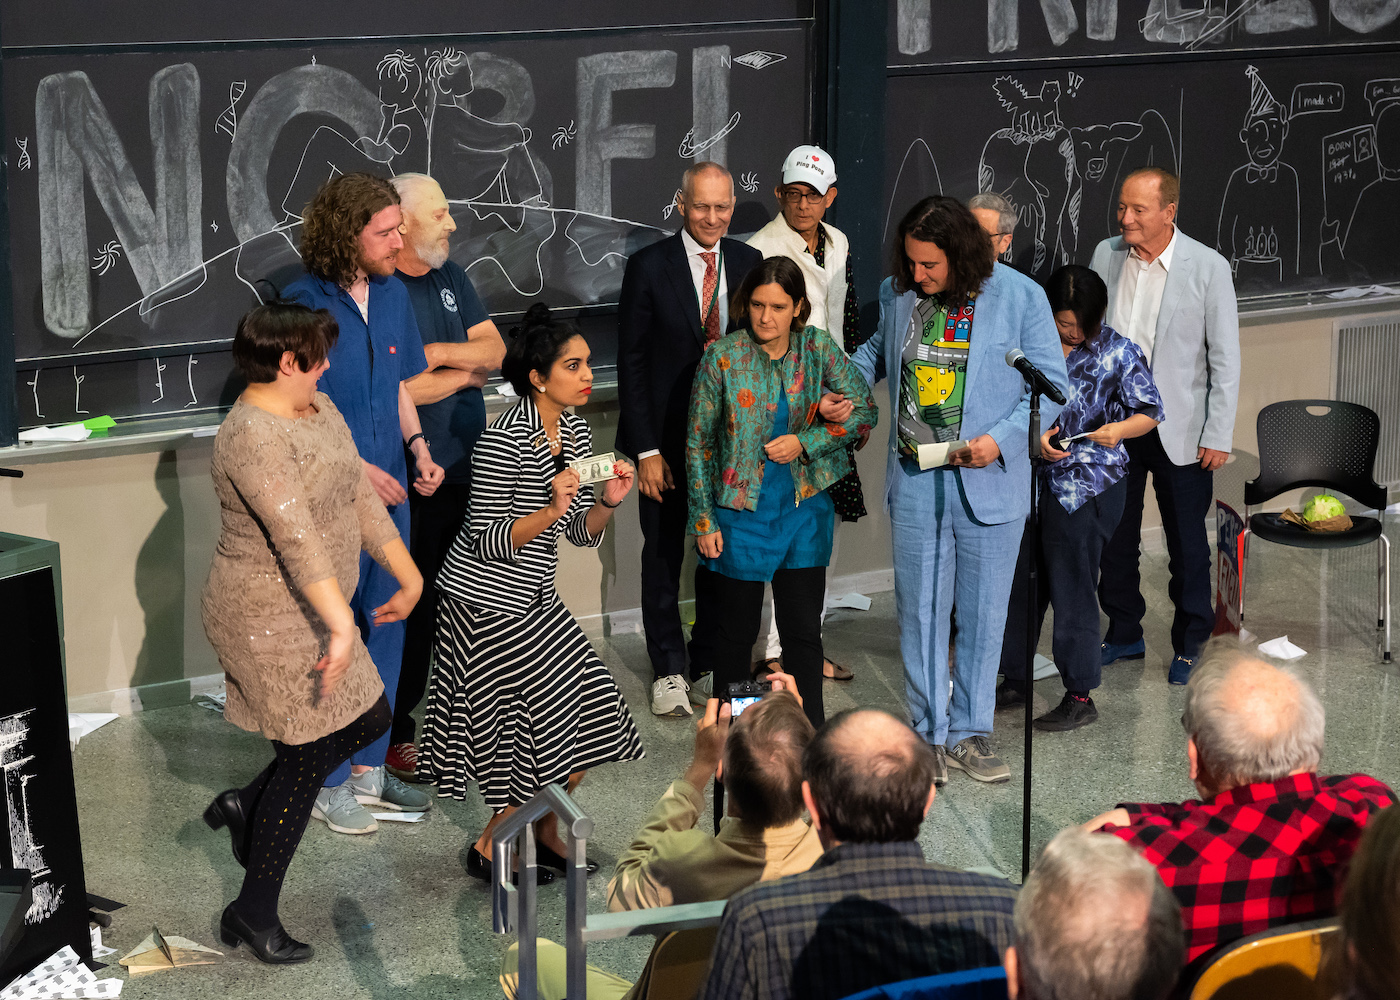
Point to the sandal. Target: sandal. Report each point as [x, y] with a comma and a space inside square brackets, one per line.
[762, 667]
[838, 672]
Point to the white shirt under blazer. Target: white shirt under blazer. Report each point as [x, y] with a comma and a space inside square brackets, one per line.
[826, 285]
[1195, 357]
[512, 468]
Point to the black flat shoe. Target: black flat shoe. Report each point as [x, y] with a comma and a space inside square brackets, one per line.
[479, 867]
[552, 859]
[273, 945]
[227, 810]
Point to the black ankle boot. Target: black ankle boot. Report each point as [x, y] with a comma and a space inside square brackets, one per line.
[479, 866]
[227, 810]
[272, 945]
[550, 858]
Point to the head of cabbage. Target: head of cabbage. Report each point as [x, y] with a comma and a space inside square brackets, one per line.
[1323, 506]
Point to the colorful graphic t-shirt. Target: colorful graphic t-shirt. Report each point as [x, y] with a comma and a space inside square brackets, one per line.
[934, 376]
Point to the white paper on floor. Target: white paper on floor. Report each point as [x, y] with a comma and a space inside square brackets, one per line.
[100, 950]
[82, 723]
[214, 701]
[858, 602]
[1246, 636]
[1044, 668]
[61, 975]
[400, 817]
[1281, 649]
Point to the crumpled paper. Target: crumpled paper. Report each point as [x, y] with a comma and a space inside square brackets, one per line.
[61, 975]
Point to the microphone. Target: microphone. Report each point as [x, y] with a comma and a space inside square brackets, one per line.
[1017, 359]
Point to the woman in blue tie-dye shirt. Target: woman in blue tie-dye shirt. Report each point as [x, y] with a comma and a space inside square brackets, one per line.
[1083, 487]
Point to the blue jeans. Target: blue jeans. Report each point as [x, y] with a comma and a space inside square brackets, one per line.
[943, 555]
[384, 642]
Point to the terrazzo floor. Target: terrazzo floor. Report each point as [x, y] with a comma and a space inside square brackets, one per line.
[394, 915]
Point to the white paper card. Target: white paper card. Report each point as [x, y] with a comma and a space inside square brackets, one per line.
[932, 456]
[405, 817]
[68, 432]
[857, 601]
[1281, 649]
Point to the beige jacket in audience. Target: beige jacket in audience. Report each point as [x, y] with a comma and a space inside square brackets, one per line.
[671, 862]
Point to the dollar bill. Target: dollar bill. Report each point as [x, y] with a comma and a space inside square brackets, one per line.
[595, 468]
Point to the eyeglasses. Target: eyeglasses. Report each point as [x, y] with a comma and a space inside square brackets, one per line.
[796, 196]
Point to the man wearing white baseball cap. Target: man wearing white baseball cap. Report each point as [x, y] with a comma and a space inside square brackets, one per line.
[822, 251]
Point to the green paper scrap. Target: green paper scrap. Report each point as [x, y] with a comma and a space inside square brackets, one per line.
[101, 423]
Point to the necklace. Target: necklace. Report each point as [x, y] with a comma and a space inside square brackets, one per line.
[555, 440]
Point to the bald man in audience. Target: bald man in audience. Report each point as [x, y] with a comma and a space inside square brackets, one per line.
[1094, 920]
[1269, 840]
[871, 911]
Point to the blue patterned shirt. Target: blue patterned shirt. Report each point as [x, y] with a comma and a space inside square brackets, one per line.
[1109, 381]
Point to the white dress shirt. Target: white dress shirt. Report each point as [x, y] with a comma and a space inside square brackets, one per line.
[1140, 296]
[693, 250]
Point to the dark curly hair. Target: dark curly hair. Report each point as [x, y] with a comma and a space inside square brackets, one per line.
[784, 273]
[949, 225]
[331, 224]
[271, 330]
[1077, 289]
[534, 346]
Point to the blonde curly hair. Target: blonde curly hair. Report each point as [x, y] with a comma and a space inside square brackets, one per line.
[331, 224]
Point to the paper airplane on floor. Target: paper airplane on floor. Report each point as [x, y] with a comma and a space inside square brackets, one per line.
[159, 952]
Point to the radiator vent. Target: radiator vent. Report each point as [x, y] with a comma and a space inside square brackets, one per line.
[1366, 370]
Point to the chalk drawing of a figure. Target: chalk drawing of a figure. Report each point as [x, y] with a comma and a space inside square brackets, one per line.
[1370, 235]
[17, 768]
[405, 125]
[1258, 230]
[1031, 163]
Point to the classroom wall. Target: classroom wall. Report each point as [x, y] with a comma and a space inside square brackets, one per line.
[136, 532]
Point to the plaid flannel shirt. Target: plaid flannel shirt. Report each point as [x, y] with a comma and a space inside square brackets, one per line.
[864, 915]
[1255, 856]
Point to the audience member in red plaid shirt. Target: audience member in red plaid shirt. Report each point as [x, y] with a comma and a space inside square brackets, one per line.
[1269, 841]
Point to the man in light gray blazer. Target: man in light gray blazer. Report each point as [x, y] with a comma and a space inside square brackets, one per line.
[1174, 298]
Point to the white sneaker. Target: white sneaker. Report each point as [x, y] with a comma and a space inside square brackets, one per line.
[702, 691]
[668, 697]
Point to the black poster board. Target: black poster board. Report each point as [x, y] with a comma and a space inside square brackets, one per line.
[1318, 214]
[36, 767]
[152, 191]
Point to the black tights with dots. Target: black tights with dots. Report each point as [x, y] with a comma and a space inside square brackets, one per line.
[278, 805]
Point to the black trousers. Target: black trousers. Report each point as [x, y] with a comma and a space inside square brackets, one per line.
[797, 604]
[663, 553]
[434, 524]
[1184, 493]
[1067, 563]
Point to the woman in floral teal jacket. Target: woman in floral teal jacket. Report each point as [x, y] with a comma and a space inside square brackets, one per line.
[762, 449]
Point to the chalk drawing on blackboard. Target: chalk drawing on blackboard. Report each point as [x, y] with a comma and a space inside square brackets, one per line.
[24, 162]
[917, 178]
[1173, 23]
[106, 258]
[1258, 17]
[1375, 166]
[564, 135]
[1258, 229]
[18, 764]
[78, 381]
[1032, 164]
[758, 59]
[690, 148]
[749, 181]
[160, 380]
[34, 385]
[214, 225]
[671, 205]
[227, 122]
[189, 375]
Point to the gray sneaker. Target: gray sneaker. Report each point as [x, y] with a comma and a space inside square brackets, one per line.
[336, 807]
[940, 766]
[974, 756]
[378, 787]
[702, 691]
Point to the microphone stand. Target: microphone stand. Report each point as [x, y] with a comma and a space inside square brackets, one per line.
[1032, 606]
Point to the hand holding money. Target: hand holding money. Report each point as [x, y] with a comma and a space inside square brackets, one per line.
[596, 468]
[616, 489]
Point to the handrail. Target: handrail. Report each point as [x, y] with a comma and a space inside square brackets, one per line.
[516, 910]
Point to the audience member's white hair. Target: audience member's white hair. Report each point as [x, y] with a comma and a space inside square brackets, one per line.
[1242, 742]
[1095, 922]
[993, 202]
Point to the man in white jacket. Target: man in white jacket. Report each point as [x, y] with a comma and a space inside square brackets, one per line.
[822, 251]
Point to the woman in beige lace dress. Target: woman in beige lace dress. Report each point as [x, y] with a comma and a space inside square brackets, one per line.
[296, 508]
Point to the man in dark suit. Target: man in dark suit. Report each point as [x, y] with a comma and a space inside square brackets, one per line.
[675, 301]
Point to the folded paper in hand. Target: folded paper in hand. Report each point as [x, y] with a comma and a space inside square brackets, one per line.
[159, 952]
[933, 456]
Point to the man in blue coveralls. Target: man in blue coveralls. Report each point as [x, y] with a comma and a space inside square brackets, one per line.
[350, 242]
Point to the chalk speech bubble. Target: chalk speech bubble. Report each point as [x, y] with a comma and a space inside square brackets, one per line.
[1317, 98]
[1382, 92]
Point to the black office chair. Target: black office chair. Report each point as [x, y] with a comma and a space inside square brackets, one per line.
[1334, 448]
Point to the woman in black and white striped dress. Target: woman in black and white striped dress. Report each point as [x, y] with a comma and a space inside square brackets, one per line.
[519, 698]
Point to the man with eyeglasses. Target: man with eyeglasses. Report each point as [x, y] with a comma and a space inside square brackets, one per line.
[998, 218]
[807, 190]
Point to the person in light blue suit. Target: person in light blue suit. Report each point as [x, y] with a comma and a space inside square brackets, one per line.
[948, 316]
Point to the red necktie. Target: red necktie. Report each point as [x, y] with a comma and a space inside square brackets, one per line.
[709, 301]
